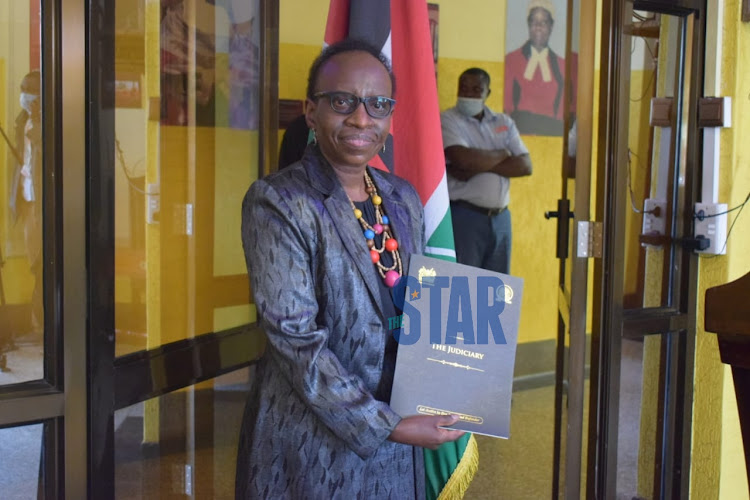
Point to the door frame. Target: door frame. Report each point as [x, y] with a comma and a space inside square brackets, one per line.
[58, 400]
[611, 322]
[573, 302]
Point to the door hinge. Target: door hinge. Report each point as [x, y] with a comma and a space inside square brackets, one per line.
[183, 219]
[589, 242]
[182, 479]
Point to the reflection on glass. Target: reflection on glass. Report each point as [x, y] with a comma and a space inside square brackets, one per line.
[20, 450]
[21, 197]
[657, 60]
[652, 149]
[186, 120]
[182, 444]
[629, 421]
[642, 143]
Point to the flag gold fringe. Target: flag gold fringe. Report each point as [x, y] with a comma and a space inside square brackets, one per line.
[463, 474]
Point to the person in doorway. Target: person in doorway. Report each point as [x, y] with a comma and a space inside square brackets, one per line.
[483, 151]
[325, 239]
[535, 77]
[26, 188]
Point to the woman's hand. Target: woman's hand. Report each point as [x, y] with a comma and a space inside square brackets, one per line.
[425, 431]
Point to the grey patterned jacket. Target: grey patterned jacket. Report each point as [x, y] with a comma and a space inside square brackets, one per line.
[312, 428]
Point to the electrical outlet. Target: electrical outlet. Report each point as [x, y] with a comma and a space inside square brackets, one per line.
[654, 217]
[153, 203]
[712, 226]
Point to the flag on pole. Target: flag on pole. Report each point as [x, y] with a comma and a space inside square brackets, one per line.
[414, 151]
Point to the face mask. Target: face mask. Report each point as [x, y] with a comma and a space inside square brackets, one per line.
[27, 100]
[469, 106]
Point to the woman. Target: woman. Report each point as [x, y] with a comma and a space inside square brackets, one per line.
[324, 240]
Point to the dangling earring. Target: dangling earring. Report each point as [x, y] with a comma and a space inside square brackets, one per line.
[383, 147]
[315, 137]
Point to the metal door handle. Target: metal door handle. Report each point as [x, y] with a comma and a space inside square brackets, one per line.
[563, 215]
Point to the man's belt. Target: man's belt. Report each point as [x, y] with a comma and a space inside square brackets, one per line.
[489, 212]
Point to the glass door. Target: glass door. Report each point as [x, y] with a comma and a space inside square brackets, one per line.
[176, 140]
[577, 243]
[632, 439]
[42, 249]
[643, 321]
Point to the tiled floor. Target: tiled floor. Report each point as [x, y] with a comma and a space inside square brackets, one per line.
[521, 467]
[20, 446]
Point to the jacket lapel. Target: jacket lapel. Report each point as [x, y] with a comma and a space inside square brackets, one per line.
[347, 227]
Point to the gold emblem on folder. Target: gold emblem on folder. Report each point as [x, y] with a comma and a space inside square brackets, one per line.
[426, 273]
[504, 293]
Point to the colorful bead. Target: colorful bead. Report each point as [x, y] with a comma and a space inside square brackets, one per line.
[391, 278]
[390, 274]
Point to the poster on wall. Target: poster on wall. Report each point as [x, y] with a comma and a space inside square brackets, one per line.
[535, 66]
[210, 63]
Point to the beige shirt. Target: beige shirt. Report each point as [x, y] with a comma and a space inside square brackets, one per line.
[493, 131]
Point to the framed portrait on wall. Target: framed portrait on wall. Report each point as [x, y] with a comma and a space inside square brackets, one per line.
[535, 66]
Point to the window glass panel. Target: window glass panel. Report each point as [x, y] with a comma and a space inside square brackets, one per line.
[21, 193]
[183, 443]
[186, 124]
[20, 449]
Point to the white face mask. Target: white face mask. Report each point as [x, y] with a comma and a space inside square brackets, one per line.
[27, 100]
[469, 106]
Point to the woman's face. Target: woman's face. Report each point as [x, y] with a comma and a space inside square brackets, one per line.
[350, 140]
[540, 28]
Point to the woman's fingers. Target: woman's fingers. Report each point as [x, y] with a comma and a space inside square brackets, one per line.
[426, 430]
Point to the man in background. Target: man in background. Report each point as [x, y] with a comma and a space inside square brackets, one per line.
[483, 151]
[26, 187]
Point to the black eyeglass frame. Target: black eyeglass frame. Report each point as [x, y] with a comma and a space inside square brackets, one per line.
[363, 100]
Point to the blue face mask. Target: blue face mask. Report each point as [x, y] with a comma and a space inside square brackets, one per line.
[27, 100]
[469, 106]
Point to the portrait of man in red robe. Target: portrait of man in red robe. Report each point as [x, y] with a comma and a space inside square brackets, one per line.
[535, 73]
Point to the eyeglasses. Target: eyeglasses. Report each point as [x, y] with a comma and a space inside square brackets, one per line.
[541, 24]
[345, 103]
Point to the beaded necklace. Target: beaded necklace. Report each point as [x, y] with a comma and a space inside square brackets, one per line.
[390, 274]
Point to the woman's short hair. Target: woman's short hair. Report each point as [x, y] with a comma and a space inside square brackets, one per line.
[347, 45]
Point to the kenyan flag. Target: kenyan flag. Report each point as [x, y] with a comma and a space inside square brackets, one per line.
[415, 152]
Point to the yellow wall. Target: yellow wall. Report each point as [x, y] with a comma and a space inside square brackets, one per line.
[466, 39]
[717, 459]
[17, 280]
[718, 462]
